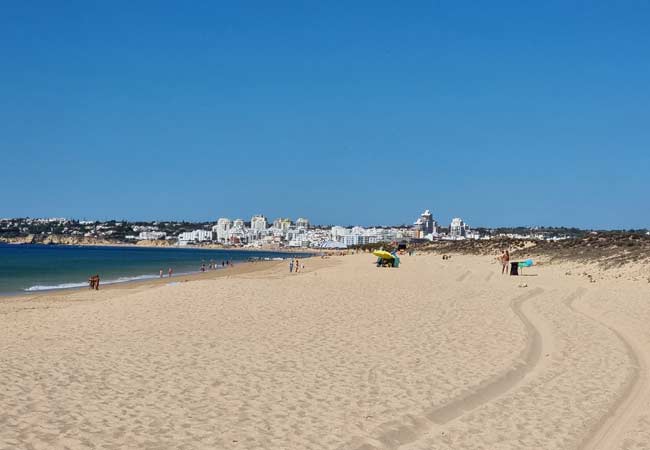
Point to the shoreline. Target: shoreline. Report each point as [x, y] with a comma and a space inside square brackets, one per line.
[142, 276]
[142, 284]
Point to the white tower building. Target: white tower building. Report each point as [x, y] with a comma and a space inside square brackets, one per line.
[458, 228]
[221, 229]
[258, 223]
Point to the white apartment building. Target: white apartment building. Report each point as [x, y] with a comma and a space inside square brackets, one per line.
[282, 224]
[354, 239]
[337, 231]
[376, 235]
[458, 228]
[358, 230]
[222, 228]
[302, 222]
[195, 236]
[472, 234]
[359, 235]
[151, 235]
[258, 223]
[237, 234]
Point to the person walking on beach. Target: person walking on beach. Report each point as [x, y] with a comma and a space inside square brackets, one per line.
[160, 273]
[505, 260]
[169, 272]
[291, 266]
[94, 282]
[297, 264]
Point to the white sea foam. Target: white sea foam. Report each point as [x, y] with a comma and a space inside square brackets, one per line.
[77, 285]
[56, 286]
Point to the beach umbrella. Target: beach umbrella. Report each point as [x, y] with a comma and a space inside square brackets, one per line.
[383, 254]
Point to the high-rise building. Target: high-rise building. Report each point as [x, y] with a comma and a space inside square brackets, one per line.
[258, 223]
[425, 224]
[302, 222]
[458, 228]
[221, 229]
[282, 224]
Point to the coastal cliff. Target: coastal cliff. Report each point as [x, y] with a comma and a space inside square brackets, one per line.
[52, 239]
[57, 239]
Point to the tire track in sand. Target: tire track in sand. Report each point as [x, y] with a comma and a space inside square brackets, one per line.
[608, 431]
[410, 427]
[463, 276]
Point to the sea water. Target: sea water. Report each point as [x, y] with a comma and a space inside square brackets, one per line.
[31, 268]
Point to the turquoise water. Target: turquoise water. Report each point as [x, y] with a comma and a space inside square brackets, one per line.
[31, 268]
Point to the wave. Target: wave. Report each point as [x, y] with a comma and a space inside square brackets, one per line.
[85, 283]
[56, 286]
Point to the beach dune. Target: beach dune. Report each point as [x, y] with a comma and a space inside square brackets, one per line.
[433, 355]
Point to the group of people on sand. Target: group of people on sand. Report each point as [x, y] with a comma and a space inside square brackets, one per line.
[295, 265]
[214, 265]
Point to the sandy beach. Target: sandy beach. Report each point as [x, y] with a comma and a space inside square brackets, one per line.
[438, 354]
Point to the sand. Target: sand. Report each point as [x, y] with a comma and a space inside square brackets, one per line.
[433, 355]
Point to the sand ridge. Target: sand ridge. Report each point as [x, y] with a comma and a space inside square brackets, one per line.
[632, 402]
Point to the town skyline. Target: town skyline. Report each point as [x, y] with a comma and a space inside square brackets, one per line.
[260, 232]
[246, 218]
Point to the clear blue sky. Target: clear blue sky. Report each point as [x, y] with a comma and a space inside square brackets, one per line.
[503, 113]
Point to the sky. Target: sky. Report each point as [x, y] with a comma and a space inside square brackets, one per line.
[502, 113]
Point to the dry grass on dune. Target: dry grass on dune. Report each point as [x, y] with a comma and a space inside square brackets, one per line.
[607, 249]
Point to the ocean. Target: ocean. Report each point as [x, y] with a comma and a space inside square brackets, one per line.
[31, 268]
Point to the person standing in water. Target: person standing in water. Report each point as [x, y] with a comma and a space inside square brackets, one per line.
[160, 273]
[169, 272]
